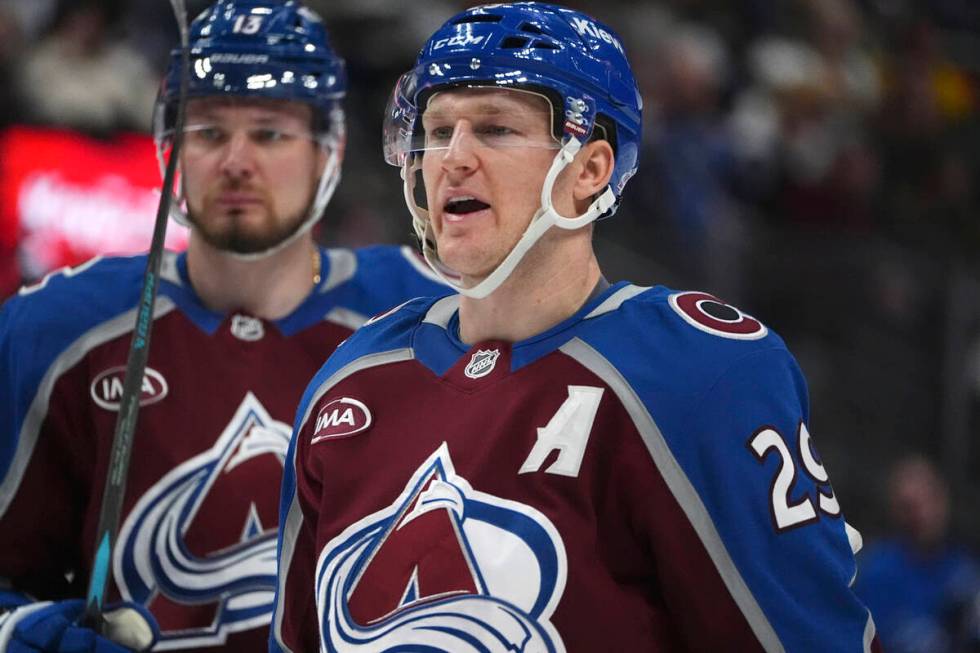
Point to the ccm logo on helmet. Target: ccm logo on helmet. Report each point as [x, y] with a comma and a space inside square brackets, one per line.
[231, 57]
[711, 315]
[584, 27]
[459, 39]
[341, 418]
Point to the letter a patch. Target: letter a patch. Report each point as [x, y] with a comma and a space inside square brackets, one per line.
[568, 432]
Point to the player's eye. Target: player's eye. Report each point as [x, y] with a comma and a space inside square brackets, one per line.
[495, 130]
[497, 134]
[270, 135]
[206, 134]
[438, 135]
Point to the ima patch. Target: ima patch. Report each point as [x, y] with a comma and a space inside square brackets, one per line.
[711, 315]
[107, 388]
[341, 418]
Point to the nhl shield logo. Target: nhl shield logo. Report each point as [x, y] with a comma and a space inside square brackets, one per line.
[247, 328]
[482, 363]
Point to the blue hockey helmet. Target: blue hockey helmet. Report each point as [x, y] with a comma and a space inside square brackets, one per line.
[258, 49]
[576, 62]
[265, 49]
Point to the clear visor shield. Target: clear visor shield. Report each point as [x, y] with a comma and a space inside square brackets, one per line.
[481, 117]
[272, 125]
[205, 137]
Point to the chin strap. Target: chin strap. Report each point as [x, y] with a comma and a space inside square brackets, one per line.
[545, 217]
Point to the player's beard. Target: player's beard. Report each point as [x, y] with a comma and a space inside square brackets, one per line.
[239, 236]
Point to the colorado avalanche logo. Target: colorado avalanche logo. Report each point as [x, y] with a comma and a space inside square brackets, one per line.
[200, 597]
[709, 314]
[445, 568]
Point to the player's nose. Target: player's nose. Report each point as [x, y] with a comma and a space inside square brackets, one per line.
[460, 154]
[238, 156]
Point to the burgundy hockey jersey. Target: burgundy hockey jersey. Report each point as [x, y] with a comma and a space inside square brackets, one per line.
[640, 477]
[197, 541]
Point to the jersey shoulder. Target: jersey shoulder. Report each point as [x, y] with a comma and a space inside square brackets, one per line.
[370, 280]
[388, 331]
[388, 335]
[401, 270]
[695, 334]
[50, 325]
[680, 352]
[70, 301]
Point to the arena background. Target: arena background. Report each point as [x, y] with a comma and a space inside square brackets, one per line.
[812, 161]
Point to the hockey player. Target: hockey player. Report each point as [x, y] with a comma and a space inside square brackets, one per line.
[243, 321]
[549, 462]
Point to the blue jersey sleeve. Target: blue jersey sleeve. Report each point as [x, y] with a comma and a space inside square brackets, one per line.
[38, 328]
[745, 449]
[722, 408]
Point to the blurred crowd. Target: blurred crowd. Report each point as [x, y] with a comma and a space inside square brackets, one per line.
[815, 161]
[921, 583]
[854, 116]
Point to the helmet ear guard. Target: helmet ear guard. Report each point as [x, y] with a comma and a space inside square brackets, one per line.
[576, 62]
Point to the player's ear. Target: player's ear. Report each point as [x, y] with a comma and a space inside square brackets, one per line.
[596, 162]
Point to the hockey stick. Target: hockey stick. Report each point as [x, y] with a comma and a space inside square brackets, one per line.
[139, 348]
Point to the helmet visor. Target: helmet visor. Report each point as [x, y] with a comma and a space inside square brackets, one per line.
[485, 117]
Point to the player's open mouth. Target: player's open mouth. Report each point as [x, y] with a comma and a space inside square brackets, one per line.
[459, 207]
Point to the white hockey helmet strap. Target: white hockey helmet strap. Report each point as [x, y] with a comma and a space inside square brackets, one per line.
[544, 218]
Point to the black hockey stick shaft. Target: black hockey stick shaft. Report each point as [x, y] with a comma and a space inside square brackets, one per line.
[139, 349]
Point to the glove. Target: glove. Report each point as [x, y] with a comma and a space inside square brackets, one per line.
[53, 628]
